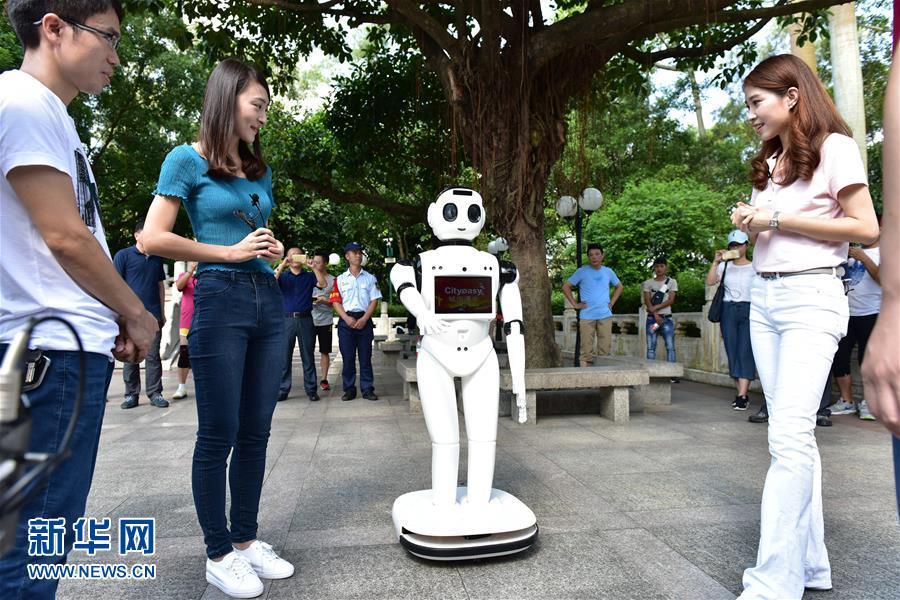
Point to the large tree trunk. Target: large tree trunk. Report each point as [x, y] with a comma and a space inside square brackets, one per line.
[806, 52]
[515, 130]
[847, 71]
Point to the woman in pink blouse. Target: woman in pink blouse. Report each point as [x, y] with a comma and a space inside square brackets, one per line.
[185, 283]
[810, 198]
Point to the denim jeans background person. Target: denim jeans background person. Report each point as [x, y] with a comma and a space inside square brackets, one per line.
[297, 288]
[659, 293]
[809, 199]
[735, 320]
[237, 333]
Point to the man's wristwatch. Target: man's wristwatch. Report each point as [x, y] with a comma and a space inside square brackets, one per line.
[773, 222]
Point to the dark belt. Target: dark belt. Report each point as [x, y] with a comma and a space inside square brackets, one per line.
[835, 271]
[298, 315]
[356, 313]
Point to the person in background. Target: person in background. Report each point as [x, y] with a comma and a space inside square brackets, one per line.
[864, 298]
[323, 314]
[659, 293]
[185, 283]
[810, 198]
[735, 320]
[297, 288]
[593, 281]
[354, 296]
[145, 275]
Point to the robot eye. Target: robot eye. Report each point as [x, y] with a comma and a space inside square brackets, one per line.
[450, 212]
[474, 213]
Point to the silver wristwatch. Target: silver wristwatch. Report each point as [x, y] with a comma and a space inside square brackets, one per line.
[773, 222]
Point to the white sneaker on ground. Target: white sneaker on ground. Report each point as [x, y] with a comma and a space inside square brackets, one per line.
[180, 393]
[842, 407]
[265, 562]
[864, 413]
[234, 576]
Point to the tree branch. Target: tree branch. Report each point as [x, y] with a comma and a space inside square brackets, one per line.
[325, 8]
[417, 17]
[405, 211]
[633, 21]
[649, 58]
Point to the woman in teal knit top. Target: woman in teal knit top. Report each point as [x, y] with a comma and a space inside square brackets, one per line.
[237, 331]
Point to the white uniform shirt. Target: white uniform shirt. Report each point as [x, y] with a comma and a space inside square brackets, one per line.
[36, 129]
[357, 292]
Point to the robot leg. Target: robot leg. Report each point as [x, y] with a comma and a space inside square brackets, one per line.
[480, 401]
[438, 396]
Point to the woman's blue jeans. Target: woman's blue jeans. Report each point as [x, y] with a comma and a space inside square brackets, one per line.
[667, 329]
[236, 347]
[735, 327]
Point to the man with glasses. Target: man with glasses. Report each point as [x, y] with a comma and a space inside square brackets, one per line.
[56, 261]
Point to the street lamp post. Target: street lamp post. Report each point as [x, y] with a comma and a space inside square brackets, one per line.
[389, 260]
[591, 199]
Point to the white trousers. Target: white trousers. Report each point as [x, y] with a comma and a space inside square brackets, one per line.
[795, 325]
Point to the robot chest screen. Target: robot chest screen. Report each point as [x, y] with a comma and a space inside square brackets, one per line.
[463, 295]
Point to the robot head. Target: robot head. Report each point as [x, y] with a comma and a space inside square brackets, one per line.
[457, 214]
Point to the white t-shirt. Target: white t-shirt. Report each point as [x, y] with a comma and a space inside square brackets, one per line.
[35, 129]
[653, 286]
[738, 280]
[865, 294]
[782, 251]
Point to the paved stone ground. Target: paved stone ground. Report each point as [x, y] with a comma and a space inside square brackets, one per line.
[666, 506]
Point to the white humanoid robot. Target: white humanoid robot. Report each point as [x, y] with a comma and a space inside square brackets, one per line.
[453, 294]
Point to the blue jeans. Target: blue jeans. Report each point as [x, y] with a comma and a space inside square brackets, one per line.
[66, 492]
[236, 346]
[668, 333]
[302, 330]
[735, 327]
[353, 342]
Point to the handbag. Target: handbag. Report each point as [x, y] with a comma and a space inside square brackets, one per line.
[715, 307]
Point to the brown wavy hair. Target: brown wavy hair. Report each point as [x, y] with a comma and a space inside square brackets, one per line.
[226, 82]
[813, 118]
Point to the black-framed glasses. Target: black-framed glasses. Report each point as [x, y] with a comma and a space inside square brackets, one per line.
[111, 39]
[734, 245]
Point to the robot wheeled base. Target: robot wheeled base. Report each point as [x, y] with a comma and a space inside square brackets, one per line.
[462, 531]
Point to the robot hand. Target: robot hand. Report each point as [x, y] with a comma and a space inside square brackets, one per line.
[520, 404]
[519, 391]
[429, 324]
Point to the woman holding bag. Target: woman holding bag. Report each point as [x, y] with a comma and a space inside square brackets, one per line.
[735, 314]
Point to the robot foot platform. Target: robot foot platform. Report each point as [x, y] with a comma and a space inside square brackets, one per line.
[463, 531]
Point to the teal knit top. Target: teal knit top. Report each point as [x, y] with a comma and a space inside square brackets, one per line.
[211, 202]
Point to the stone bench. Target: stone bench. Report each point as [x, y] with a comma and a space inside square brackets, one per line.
[392, 351]
[611, 381]
[658, 391]
[407, 369]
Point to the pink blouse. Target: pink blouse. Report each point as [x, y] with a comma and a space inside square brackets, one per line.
[841, 166]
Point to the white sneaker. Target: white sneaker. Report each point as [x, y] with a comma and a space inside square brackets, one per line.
[234, 576]
[180, 393]
[864, 413]
[265, 562]
[842, 407]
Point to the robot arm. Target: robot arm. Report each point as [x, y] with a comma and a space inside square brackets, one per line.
[403, 278]
[511, 307]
